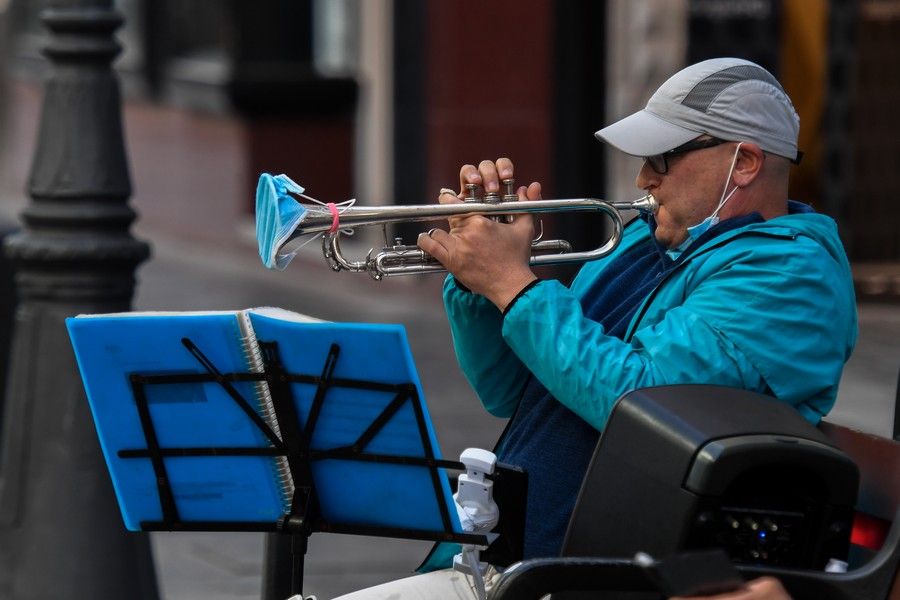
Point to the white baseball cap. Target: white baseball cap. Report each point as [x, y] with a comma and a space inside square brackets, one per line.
[727, 98]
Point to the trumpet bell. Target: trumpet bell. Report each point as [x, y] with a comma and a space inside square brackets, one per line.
[278, 215]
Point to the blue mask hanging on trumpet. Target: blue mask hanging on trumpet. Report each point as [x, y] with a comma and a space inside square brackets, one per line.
[277, 216]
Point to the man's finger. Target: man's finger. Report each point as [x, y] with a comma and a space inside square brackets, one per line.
[448, 196]
[468, 174]
[524, 222]
[489, 177]
[433, 247]
[505, 168]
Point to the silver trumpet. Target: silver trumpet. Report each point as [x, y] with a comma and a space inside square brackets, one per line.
[402, 259]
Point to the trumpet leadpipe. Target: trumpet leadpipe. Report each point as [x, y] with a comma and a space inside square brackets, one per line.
[360, 216]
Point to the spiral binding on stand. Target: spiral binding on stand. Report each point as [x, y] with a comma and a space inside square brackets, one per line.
[266, 407]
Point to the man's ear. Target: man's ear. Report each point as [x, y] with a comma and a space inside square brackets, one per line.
[749, 164]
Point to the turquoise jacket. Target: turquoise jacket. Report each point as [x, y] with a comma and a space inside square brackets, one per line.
[768, 307]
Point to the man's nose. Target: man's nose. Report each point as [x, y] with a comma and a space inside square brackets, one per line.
[647, 178]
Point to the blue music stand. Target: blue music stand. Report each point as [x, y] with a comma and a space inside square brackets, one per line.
[349, 428]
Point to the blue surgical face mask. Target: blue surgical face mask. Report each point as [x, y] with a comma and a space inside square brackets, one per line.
[695, 231]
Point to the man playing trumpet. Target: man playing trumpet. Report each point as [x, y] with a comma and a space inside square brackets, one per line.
[729, 283]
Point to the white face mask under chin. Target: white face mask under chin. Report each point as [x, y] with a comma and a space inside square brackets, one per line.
[695, 231]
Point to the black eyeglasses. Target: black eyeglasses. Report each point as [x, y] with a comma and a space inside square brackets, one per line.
[659, 162]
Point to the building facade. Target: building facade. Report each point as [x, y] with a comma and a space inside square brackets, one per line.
[383, 100]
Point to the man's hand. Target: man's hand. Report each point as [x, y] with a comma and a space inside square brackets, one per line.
[764, 588]
[489, 257]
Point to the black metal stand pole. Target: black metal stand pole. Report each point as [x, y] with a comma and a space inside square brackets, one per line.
[61, 535]
[277, 567]
[299, 544]
[283, 566]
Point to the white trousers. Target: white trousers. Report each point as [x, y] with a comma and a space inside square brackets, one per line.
[445, 584]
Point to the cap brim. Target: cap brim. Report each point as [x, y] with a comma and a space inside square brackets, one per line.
[645, 134]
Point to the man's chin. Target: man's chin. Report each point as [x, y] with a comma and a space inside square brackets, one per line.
[669, 241]
[662, 238]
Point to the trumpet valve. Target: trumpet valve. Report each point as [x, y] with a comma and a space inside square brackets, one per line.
[472, 192]
[509, 190]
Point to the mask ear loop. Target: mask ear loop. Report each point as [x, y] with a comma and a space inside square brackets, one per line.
[723, 198]
[336, 210]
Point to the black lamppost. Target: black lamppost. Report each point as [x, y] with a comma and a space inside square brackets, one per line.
[61, 535]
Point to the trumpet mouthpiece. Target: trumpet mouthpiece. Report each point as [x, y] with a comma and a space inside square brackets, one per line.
[647, 204]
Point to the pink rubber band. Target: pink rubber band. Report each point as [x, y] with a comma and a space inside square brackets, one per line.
[335, 217]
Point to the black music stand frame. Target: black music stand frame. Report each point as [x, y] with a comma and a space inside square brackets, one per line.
[305, 516]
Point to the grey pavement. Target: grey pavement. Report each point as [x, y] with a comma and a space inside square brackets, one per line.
[183, 276]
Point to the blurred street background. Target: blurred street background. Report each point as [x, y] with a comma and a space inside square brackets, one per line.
[383, 100]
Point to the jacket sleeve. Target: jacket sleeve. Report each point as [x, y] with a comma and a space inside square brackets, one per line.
[492, 369]
[497, 373]
[587, 370]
